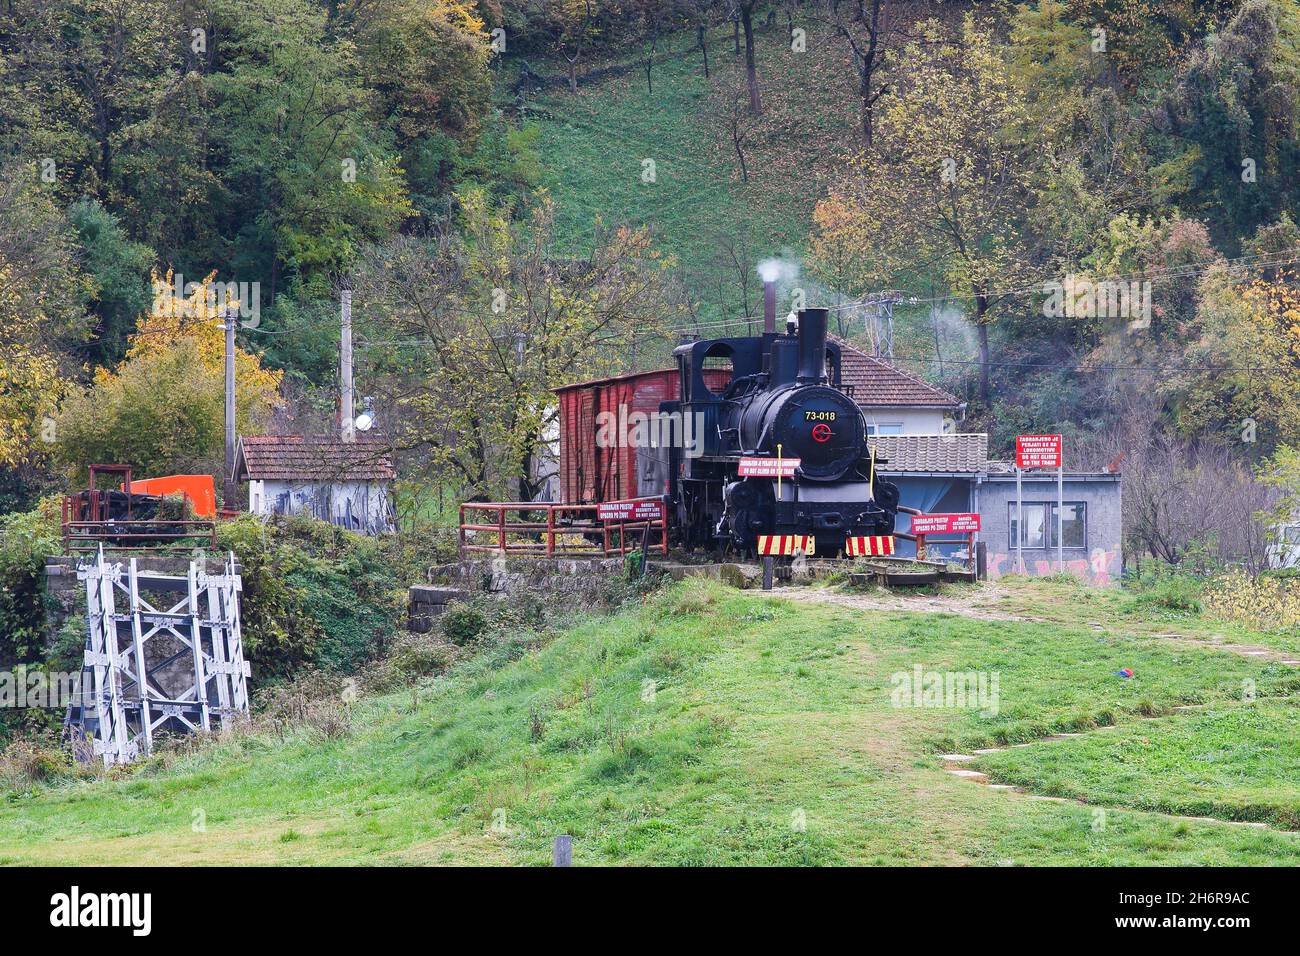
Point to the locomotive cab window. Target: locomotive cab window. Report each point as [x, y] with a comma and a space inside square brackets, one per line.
[1040, 525]
[717, 370]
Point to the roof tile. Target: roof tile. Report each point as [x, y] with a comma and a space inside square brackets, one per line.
[877, 382]
[965, 452]
[313, 458]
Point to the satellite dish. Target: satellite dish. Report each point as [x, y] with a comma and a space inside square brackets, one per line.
[366, 420]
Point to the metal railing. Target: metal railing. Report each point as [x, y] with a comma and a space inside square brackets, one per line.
[136, 534]
[547, 529]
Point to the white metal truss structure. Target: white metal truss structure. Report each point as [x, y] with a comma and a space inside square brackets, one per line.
[163, 656]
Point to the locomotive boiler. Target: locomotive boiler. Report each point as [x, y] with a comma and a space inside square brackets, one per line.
[783, 400]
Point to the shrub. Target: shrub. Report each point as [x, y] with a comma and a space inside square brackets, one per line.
[1169, 590]
[315, 700]
[314, 594]
[25, 540]
[411, 657]
[1265, 603]
[28, 761]
[462, 623]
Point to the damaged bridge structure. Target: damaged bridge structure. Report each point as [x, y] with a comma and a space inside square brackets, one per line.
[163, 656]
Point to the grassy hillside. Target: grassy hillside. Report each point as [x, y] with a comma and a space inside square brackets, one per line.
[595, 144]
[716, 224]
[767, 736]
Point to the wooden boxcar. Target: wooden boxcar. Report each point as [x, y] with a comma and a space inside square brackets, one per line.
[592, 471]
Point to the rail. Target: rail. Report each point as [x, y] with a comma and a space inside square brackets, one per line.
[548, 529]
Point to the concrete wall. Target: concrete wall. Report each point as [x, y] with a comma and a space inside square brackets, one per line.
[915, 421]
[1100, 561]
[361, 506]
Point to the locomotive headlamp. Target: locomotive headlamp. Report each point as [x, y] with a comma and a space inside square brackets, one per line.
[791, 324]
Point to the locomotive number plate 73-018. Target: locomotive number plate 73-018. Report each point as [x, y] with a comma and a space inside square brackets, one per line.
[813, 416]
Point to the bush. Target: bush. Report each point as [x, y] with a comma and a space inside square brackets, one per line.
[411, 658]
[28, 761]
[314, 594]
[25, 540]
[462, 623]
[1266, 603]
[317, 701]
[1169, 590]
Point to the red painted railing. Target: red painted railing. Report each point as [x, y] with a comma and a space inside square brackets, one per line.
[547, 529]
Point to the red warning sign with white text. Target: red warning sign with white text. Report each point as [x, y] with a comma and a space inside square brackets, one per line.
[1038, 451]
[945, 524]
[630, 510]
[768, 467]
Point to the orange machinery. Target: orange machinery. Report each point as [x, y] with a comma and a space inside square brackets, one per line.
[199, 489]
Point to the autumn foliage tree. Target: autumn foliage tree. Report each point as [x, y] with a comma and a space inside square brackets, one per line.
[42, 315]
[161, 409]
[947, 183]
[466, 337]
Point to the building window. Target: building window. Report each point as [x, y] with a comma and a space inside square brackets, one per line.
[1040, 525]
[885, 428]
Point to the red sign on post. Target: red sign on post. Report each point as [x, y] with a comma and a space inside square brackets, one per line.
[768, 467]
[945, 524]
[1038, 451]
[630, 510]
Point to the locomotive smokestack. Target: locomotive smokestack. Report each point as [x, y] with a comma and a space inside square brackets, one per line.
[769, 305]
[812, 346]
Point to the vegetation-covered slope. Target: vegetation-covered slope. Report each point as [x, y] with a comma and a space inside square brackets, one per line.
[709, 726]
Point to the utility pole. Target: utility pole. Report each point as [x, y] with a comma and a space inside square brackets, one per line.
[345, 370]
[231, 316]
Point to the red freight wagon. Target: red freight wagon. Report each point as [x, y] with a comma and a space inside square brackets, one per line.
[612, 470]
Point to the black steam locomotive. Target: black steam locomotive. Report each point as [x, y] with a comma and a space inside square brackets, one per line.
[783, 399]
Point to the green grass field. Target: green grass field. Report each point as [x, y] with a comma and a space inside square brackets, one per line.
[769, 735]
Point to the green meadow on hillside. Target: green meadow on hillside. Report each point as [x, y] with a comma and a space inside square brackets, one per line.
[715, 726]
[595, 146]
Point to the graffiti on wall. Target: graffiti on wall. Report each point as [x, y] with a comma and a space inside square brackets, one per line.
[1100, 567]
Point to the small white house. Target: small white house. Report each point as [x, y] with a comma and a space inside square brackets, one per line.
[345, 483]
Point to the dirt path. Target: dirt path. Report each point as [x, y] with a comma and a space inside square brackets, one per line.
[977, 603]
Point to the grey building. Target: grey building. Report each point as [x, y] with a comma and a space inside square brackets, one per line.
[935, 474]
[1093, 536]
[344, 483]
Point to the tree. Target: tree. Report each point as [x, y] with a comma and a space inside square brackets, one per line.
[466, 337]
[120, 270]
[108, 96]
[1249, 325]
[745, 10]
[577, 29]
[42, 316]
[703, 14]
[868, 29]
[730, 115]
[427, 63]
[945, 186]
[312, 177]
[1231, 114]
[162, 409]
